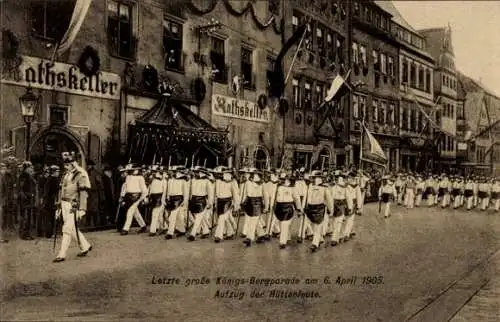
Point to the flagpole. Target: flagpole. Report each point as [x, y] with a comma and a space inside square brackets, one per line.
[361, 144]
[296, 52]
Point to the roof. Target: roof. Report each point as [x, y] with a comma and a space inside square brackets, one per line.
[173, 113]
[397, 17]
[438, 40]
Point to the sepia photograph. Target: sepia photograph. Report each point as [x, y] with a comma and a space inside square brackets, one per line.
[250, 160]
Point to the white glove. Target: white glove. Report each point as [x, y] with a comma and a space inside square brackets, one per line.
[58, 213]
[80, 214]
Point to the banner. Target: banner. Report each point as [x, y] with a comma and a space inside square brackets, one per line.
[240, 109]
[372, 151]
[79, 13]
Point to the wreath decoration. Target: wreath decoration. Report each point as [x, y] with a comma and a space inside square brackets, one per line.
[283, 106]
[89, 62]
[10, 44]
[199, 89]
[262, 101]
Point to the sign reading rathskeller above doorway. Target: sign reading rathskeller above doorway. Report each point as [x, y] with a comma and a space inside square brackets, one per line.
[41, 73]
[233, 107]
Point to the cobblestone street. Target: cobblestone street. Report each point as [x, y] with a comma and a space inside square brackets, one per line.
[430, 261]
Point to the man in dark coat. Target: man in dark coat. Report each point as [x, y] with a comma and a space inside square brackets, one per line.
[49, 200]
[3, 172]
[27, 197]
[110, 201]
[96, 195]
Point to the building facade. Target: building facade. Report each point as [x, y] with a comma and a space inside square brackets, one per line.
[439, 42]
[416, 70]
[311, 129]
[211, 52]
[375, 53]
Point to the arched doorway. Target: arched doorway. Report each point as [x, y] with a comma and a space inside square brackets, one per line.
[261, 158]
[49, 145]
[205, 156]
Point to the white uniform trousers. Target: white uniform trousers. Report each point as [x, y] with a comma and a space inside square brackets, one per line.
[206, 221]
[222, 223]
[497, 205]
[387, 209]
[198, 225]
[361, 202]
[430, 200]
[418, 199]
[457, 202]
[157, 219]
[262, 220]
[485, 203]
[445, 202]
[253, 228]
[410, 198]
[133, 212]
[273, 223]
[285, 231]
[337, 227]
[69, 231]
[317, 230]
[349, 224]
[305, 227]
[174, 217]
[476, 200]
[245, 225]
[230, 225]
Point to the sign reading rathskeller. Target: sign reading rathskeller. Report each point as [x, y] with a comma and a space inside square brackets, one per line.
[233, 107]
[41, 73]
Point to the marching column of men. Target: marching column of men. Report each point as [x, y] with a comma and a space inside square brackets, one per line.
[200, 201]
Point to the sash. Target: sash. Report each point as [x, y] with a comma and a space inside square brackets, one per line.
[155, 200]
[174, 202]
[197, 204]
[284, 211]
[223, 205]
[315, 213]
[253, 206]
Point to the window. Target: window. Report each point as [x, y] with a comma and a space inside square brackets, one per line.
[383, 112]
[308, 38]
[376, 65]
[438, 118]
[296, 93]
[452, 111]
[355, 53]
[428, 81]
[58, 115]
[444, 80]
[247, 67]
[295, 22]
[320, 41]
[421, 78]
[420, 123]
[404, 116]
[413, 75]
[375, 111]
[355, 106]
[391, 113]
[320, 94]
[50, 19]
[172, 42]
[362, 106]
[218, 58]
[307, 95]
[390, 66]
[340, 49]
[122, 42]
[413, 118]
[270, 71]
[460, 112]
[405, 71]
[383, 63]
[329, 47]
[362, 52]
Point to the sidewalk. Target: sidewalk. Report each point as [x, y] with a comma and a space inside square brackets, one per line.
[485, 304]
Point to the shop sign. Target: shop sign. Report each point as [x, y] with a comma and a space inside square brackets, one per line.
[241, 109]
[41, 73]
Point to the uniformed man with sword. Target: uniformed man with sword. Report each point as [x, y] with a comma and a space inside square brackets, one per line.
[72, 205]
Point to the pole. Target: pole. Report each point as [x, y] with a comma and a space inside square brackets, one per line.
[347, 106]
[297, 52]
[28, 140]
[361, 145]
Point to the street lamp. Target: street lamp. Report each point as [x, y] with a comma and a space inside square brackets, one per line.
[29, 103]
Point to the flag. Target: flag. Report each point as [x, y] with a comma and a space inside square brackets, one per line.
[371, 150]
[79, 13]
[277, 84]
[337, 88]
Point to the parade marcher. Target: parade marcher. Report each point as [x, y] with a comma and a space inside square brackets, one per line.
[287, 201]
[456, 192]
[3, 212]
[476, 191]
[72, 204]
[252, 203]
[134, 191]
[495, 194]
[244, 177]
[387, 193]
[49, 200]
[484, 191]
[444, 186]
[319, 201]
[363, 182]
[95, 208]
[201, 200]
[420, 187]
[301, 183]
[411, 186]
[469, 193]
[226, 201]
[430, 191]
[272, 223]
[208, 222]
[177, 196]
[399, 184]
[109, 195]
[339, 195]
[157, 200]
[27, 197]
[352, 196]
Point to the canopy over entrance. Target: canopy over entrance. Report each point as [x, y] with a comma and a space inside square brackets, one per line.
[170, 131]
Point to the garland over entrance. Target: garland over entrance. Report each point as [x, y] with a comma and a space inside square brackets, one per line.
[272, 20]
